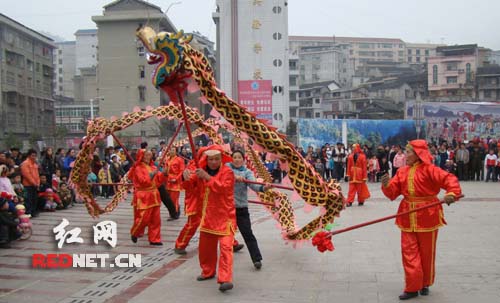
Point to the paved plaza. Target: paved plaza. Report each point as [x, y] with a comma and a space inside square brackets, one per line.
[364, 267]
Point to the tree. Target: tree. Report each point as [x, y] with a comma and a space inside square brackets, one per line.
[12, 140]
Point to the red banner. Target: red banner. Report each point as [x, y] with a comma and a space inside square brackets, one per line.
[257, 97]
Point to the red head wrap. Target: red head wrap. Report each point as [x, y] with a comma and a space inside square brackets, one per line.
[203, 159]
[420, 148]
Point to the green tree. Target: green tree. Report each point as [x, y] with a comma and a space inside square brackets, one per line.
[12, 140]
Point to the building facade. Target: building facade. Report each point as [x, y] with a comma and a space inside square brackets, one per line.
[86, 49]
[123, 74]
[418, 53]
[26, 81]
[451, 73]
[64, 63]
[488, 83]
[252, 42]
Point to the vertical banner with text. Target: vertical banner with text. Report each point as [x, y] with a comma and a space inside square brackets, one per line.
[257, 97]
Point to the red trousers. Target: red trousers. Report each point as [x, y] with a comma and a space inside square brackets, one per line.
[188, 231]
[208, 256]
[147, 217]
[174, 195]
[418, 250]
[361, 189]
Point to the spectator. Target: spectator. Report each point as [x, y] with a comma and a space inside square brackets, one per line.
[31, 182]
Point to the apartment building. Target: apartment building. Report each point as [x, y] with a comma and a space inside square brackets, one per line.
[451, 73]
[64, 63]
[26, 81]
[123, 74]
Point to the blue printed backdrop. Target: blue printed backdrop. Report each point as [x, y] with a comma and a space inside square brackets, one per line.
[317, 132]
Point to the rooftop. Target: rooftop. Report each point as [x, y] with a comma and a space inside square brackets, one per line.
[344, 39]
[32, 31]
[488, 70]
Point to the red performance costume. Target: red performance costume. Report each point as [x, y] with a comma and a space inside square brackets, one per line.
[146, 200]
[357, 173]
[420, 184]
[175, 166]
[218, 216]
[192, 209]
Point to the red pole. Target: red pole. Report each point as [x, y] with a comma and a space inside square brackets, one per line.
[385, 218]
[123, 147]
[97, 184]
[261, 203]
[188, 128]
[273, 185]
[167, 148]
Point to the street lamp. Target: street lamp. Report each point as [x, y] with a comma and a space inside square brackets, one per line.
[172, 4]
[418, 115]
[92, 106]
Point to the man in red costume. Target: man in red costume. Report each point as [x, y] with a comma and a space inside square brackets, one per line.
[192, 209]
[419, 182]
[175, 165]
[146, 201]
[218, 217]
[357, 173]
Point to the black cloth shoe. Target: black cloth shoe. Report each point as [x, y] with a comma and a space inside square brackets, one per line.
[180, 251]
[424, 291]
[172, 218]
[361, 203]
[238, 247]
[156, 243]
[225, 286]
[257, 264]
[202, 278]
[348, 205]
[133, 238]
[408, 295]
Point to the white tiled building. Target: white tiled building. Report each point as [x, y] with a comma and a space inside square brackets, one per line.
[64, 63]
[86, 49]
[252, 42]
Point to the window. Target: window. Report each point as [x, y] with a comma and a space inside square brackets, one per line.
[316, 100]
[59, 52]
[409, 52]
[418, 59]
[401, 53]
[292, 65]
[317, 115]
[37, 69]
[277, 36]
[277, 9]
[60, 79]
[487, 93]
[278, 62]
[386, 45]
[142, 72]
[410, 59]
[293, 81]
[60, 61]
[60, 70]
[468, 73]
[293, 96]
[451, 80]
[435, 74]
[417, 52]
[140, 51]
[143, 133]
[142, 93]
[451, 66]
[427, 52]
[29, 63]
[365, 45]
[278, 89]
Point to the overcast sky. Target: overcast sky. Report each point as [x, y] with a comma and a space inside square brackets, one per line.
[422, 21]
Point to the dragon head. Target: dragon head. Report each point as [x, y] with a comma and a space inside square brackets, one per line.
[164, 49]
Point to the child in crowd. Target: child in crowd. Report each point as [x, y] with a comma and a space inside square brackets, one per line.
[18, 187]
[319, 166]
[56, 179]
[105, 177]
[64, 194]
[51, 200]
[373, 168]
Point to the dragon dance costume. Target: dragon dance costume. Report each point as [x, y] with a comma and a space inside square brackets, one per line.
[420, 184]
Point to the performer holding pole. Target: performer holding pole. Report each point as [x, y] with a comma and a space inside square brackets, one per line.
[218, 218]
[357, 174]
[242, 176]
[146, 199]
[419, 182]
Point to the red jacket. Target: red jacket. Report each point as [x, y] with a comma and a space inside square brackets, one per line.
[420, 184]
[193, 194]
[357, 172]
[218, 215]
[175, 168]
[146, 194]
